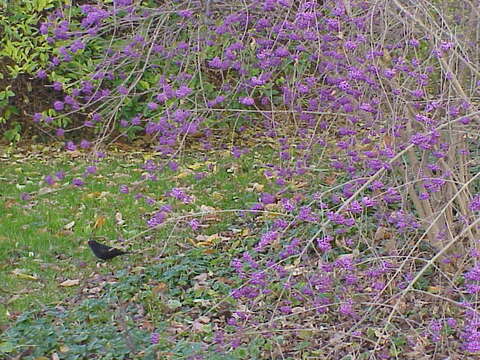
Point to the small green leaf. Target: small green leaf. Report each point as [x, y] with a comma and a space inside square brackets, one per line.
[144, 85]
[6, 347]
[41, 4]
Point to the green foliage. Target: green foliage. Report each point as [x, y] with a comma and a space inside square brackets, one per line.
[23, 50]
[13, 134]
[22, 43]
[92, 326]
[6, 110]
[89, 328]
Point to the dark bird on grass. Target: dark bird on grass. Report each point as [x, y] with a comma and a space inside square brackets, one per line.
[104, 252]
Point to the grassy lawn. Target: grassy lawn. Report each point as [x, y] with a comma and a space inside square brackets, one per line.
[176, 273]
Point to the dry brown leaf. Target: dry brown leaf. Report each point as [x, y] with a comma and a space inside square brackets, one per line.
[70, 282]
[160, 288]
[387, 140]
[226, 280]
[198, 324]
[147, 325]
[258, 187]
[99, 222]
[204, 319]
[9, 203]
[74, 154]
[205, 208]
[330, 180]
[94, 290]
[273, 207]
[382, 233]
[390, 245]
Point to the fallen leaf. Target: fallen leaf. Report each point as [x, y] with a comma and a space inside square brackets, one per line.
[382, 233]
[225, 280]
[45, 190]
[119, 218]
[183, 174]
[387, 140]
[330, 180]
[160, 289]
[147, 325]
[99, 221]
[208, 240]
[198, 165]
[20, 273]
[213, 238]
[217, 196]
[203, 243]
[258, 187]
[207, 209]
[202, 277]
[198, 324]
[204, 319]
[69, 226]
[9, 203]
[95, 290]
[74, 154]
[69, 283]
[93, 195]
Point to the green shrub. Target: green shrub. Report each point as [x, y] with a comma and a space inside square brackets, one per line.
[23, 50]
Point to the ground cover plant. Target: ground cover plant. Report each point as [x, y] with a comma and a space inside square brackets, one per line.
[365, 228]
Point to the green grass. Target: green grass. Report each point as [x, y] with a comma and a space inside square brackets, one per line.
[43, 240]
[175, 276]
